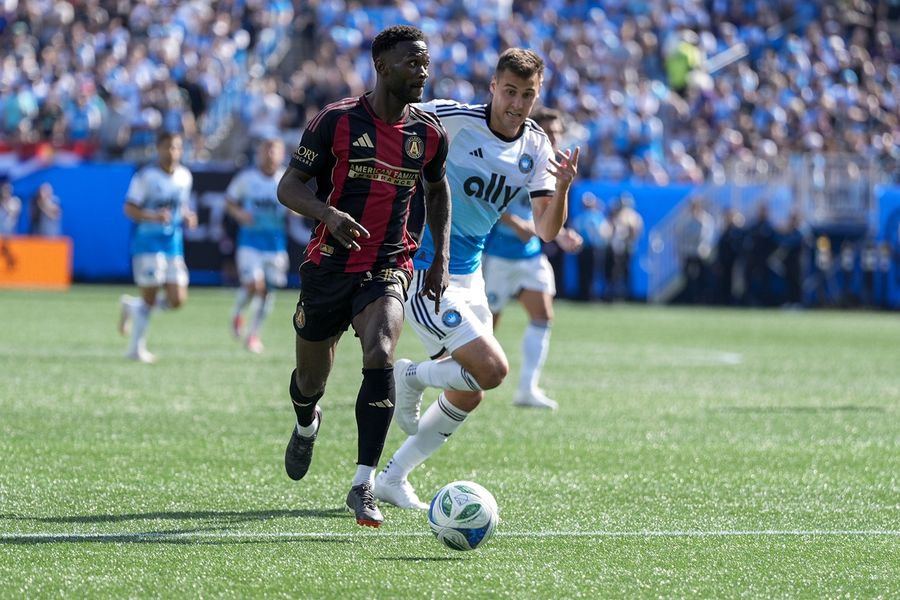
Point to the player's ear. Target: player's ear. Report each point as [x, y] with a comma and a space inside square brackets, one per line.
[493, 86]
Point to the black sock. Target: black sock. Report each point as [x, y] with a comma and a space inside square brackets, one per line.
[374, 409]
[304, 406]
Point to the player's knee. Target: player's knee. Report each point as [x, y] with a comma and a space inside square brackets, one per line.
[379, 356]
[492, 372]
[307, 384]
[176, 302]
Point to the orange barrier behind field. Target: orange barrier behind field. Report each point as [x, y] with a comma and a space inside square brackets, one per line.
[36, 262]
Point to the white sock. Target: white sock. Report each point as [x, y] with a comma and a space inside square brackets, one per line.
[240, 301]
[263, 308]
[535, 344]
[162, 301]
[440, 420]
[364, 473]
[141, 314]
[309, 430]
[445, 374]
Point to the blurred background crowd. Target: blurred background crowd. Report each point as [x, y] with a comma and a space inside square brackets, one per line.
[658, 90]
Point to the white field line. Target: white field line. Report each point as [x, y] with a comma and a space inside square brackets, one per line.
[51, 536]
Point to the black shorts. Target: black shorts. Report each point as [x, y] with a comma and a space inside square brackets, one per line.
[330, 299]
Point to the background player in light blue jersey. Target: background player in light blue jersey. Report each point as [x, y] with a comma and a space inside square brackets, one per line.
[158, 201]
[262, 259]
[515, 267]
[497, 156]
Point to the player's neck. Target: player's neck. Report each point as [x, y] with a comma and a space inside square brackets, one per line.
[385, 106]
[495, 124]
[168, 167]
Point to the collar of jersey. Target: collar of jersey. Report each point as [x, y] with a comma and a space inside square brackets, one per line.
[371, 110]
[500, 136]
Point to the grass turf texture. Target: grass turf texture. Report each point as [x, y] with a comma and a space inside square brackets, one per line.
[691, 450]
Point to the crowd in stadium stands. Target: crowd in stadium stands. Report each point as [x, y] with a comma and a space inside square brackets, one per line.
[98, 78]
[754, 262]
[655, 91]
[643, 81]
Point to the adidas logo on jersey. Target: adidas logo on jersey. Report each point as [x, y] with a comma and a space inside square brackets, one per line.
[364, 141]
[477, 153]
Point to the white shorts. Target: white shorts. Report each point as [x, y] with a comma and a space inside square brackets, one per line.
[464, 314]
[153, 270]
[504, 278]
[255, 265]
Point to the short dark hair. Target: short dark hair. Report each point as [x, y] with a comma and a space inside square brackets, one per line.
[543, 114]
[390, 37]
[521, 62]
[166, 135]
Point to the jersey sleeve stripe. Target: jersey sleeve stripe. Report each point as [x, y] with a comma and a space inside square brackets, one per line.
[340, 105]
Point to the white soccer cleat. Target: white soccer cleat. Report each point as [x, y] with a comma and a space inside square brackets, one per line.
[407, 397]
[254, 345]
[534, 399]
[125, 313]
[397, 492]
[142, 356]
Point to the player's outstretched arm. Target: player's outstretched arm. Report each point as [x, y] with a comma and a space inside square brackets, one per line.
[437, 210]
[550, 212]
[296, 195]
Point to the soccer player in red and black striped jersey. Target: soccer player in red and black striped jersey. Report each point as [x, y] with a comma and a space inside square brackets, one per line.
[367, 155]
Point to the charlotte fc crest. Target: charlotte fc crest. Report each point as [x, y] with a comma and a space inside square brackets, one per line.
[526, 163]
[414, 147]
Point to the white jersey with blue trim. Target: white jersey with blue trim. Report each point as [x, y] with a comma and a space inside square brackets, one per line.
[255, 192]
[152, 188]
[487, 173]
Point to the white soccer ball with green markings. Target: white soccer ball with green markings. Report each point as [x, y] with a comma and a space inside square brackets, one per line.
[463, 515]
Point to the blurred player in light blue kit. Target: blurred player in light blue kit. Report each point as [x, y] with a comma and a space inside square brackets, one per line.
[158, 201]
[262, 259]
[515, 267]
[497, 157]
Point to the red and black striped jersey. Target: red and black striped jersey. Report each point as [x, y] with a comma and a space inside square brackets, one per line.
[369, 169]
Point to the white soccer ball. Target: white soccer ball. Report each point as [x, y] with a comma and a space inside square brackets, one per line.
[463, 515]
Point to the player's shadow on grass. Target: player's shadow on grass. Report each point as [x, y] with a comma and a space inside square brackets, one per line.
[219, 516]
[177, 537]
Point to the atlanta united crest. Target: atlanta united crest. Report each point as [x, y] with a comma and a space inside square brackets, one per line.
[414, 147]
[299, 318]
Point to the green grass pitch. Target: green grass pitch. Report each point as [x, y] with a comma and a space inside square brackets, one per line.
[696, 453]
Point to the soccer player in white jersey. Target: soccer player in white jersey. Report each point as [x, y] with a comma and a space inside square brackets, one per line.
[158, 201]
[262, 259]
[515, 267]
[496, 156]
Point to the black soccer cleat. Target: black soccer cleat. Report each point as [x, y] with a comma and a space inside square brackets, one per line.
[299, 451]
[361, 501]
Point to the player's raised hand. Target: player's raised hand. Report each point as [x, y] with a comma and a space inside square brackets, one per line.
[566, 167]
[344, 228]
